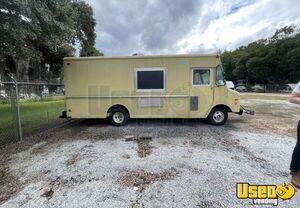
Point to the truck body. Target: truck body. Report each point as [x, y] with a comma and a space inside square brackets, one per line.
[167, 86]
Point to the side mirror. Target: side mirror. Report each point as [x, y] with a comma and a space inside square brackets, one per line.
[218, 84]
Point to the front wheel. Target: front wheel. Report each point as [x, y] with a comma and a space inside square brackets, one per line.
[218, 116]
[118, 117]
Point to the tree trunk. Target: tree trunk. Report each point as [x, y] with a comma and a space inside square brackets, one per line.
[22, 67]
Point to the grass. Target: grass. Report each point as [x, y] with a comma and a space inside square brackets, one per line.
[35, 114]
[264, 96]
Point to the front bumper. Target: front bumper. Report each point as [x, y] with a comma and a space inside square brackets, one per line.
[247, 111]
[241, 112]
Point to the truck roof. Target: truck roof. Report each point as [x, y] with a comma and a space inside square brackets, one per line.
[214, 55]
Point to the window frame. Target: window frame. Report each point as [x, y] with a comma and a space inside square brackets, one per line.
[150, 69]
[200, 85]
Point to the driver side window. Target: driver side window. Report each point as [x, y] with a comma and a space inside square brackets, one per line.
[220, 81]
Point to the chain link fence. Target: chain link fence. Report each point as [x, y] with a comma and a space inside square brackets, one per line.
[8, 114]
[26, 108]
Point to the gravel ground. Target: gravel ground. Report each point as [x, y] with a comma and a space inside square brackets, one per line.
[188, 163]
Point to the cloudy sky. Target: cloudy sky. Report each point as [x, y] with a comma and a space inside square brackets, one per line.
[187, 26]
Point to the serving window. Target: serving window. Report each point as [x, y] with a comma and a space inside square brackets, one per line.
[150, 79]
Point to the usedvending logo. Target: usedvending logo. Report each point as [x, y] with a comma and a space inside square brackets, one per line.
[265, 194]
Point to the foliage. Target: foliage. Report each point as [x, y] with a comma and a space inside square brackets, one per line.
[268, 61]
[36, 34]
[85, 29]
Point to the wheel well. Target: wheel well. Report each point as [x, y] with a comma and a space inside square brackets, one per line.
[117, 106]
[223, 106]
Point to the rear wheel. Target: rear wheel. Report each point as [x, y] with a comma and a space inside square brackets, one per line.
[218, 116]
[118, 117]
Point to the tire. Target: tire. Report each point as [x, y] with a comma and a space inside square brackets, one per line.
[218, 116]
[118, 117]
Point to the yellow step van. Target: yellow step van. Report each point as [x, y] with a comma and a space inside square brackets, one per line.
[165, 86]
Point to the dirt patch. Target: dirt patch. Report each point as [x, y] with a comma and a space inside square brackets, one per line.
[8, 183]
[144, 148]
[266, 124]
[74, 158]
[140, 179]
[271, 117]
[279, 126]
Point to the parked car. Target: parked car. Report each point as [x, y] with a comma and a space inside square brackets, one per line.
[230, 85]
[258, 88]
[241, 82]
[241, 89]
[286, 89]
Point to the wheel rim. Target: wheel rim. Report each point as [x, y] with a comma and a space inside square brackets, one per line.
[118, 117]
[219, 116]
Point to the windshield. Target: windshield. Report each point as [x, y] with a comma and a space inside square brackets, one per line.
[219, 77]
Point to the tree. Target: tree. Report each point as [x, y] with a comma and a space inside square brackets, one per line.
[283, 33]
[36, 33]
[228, 64]
[293, 60]
[86, 29]
[266, 61]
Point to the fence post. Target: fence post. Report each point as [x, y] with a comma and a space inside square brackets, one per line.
[18, 112]
[16, 101]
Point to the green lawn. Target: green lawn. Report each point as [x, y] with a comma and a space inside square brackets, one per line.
[34, 116]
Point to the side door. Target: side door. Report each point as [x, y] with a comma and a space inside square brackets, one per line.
[201, 92]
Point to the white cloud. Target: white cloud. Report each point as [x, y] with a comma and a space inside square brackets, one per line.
[183, 26]
[249, 23]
